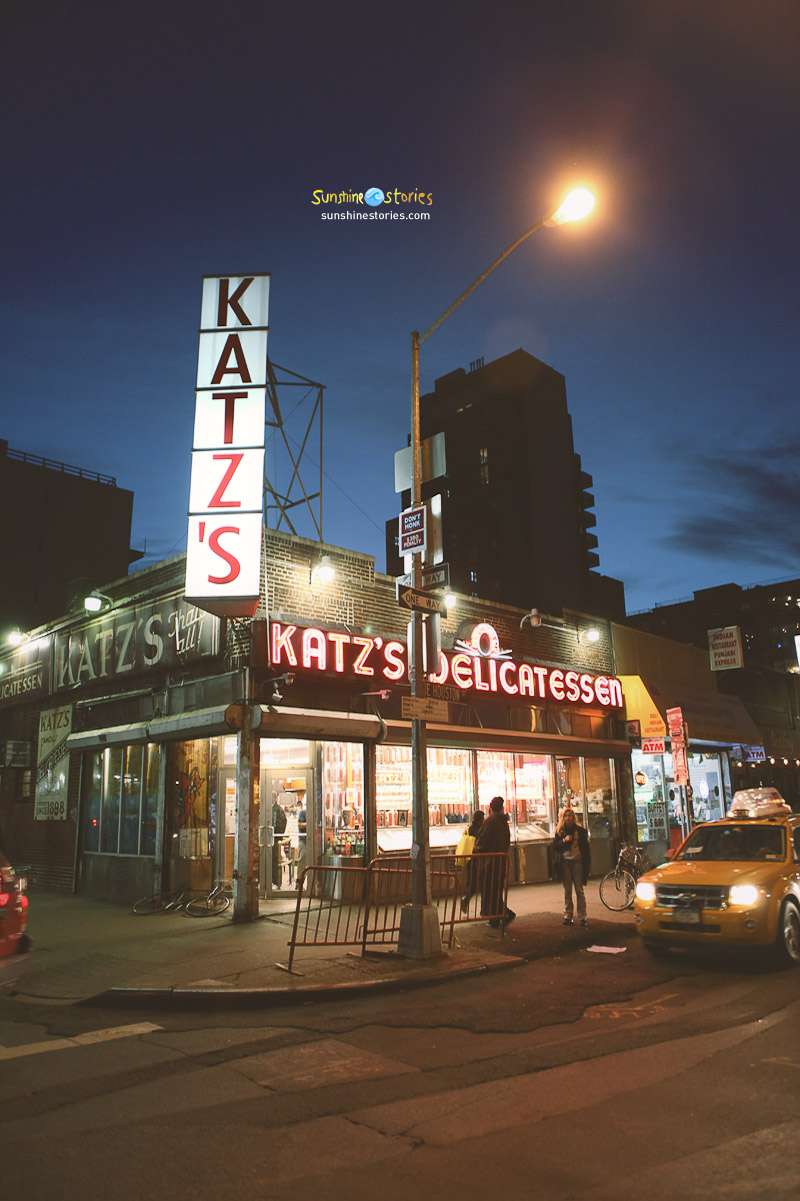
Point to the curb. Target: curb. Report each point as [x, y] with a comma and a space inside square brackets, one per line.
[265, 998]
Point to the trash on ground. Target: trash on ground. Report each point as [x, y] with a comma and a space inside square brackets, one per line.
[607, 950]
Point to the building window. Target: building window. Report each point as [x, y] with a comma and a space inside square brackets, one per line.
[120, 799]
[483, 465]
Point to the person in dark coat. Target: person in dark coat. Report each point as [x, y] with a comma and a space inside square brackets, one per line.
[571, 846]
[494, 836]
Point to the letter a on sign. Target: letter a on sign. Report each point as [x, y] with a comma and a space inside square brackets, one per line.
[223, 552]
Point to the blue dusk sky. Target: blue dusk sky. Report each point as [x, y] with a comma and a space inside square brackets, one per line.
[148, 144]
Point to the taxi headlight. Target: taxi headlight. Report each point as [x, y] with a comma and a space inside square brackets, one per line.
[743, 894]
[645, 891]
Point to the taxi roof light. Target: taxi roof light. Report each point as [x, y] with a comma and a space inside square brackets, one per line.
[758, 802]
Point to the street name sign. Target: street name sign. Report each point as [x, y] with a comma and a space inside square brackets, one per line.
[424, 708]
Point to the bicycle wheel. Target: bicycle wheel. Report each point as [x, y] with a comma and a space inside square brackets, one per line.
[617, 890]
[210, 906]
[159, 902]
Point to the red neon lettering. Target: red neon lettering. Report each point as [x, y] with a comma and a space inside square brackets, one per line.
[315, 647]
[510, 688]
[541, 676]
[571, 679]
[602, 690]
[493, 674]
[360, 667]
[233, 301]
[461, 670]
[230, 399]
[282, 641]
[233, 563]
[393, 653]
[557, 684]
[216, 501]
[232, 347]
[480, 683]
[527, 684]
[339, 641]
[587, 689]
[616, 699]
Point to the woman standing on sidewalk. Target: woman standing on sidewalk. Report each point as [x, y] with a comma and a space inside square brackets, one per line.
[571, 845]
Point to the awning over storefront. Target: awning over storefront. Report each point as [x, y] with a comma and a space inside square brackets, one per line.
[208, 723]
[710, 716]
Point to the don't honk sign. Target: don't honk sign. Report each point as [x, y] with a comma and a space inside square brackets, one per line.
[223, 551]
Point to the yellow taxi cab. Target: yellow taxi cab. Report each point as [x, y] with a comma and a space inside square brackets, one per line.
[731, 883]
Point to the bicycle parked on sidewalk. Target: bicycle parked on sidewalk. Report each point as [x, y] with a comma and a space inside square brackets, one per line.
[160, 902]
[618, 888]
[213, 903]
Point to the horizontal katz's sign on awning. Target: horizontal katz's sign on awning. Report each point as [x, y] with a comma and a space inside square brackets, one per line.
[358, 658]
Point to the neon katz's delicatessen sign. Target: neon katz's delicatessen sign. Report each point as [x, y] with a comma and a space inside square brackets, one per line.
[474, 667]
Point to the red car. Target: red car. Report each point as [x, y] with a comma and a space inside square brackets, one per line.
[15, 944]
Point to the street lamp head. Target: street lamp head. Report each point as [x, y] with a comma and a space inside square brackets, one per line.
[576, 205]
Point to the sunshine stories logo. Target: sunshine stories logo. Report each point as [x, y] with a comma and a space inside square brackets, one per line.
[373, 197]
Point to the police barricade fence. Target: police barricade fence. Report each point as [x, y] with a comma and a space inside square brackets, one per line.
[361, 906]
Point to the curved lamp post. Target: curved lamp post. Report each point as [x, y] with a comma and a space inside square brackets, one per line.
[420, 934]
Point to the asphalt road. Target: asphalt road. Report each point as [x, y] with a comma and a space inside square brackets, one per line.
[579, 1076]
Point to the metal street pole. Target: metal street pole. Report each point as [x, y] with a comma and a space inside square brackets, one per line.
[420, 933]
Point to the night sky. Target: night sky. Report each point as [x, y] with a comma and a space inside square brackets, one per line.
[148, 144]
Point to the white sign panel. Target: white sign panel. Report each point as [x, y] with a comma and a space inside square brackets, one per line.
[52, 764]
[223, 553]
[725, 648]
[226, 479]
[230, 417]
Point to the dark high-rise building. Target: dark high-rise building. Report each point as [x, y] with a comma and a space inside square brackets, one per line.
[65, 530]
[517, 507]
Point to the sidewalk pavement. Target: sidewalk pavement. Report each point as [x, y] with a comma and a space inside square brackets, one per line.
[87, 951]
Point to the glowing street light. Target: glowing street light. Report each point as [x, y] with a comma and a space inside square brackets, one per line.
[419, 922]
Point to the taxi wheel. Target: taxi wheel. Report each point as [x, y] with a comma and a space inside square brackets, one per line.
[789, 933]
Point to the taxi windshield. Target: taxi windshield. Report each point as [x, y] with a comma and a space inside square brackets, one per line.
[734, 842]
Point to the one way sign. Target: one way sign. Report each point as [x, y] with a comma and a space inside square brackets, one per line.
[414, 598]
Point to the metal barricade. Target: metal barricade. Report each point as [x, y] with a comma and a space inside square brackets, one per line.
[390, 890]
[331, 908]
[361, 906]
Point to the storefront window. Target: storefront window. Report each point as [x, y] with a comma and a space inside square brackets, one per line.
[190, 798]
[535, 796]
[450, 796]
[525, 782]
[342, 797]
[120, 800]
[92, 801]
[131, 801]
[601, 807]
[112, 785]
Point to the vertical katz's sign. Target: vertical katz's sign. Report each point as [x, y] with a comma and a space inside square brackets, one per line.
[223, 553]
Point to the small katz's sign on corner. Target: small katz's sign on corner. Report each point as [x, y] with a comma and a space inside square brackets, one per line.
[223, 551]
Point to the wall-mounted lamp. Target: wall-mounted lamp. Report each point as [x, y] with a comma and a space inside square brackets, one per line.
[17, 638]
[323, 572]
[450, 600]
[273, 682]
[96, 601]
[591, 634]
[534, 617]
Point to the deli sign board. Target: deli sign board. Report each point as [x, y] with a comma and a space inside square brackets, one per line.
[223, 551]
